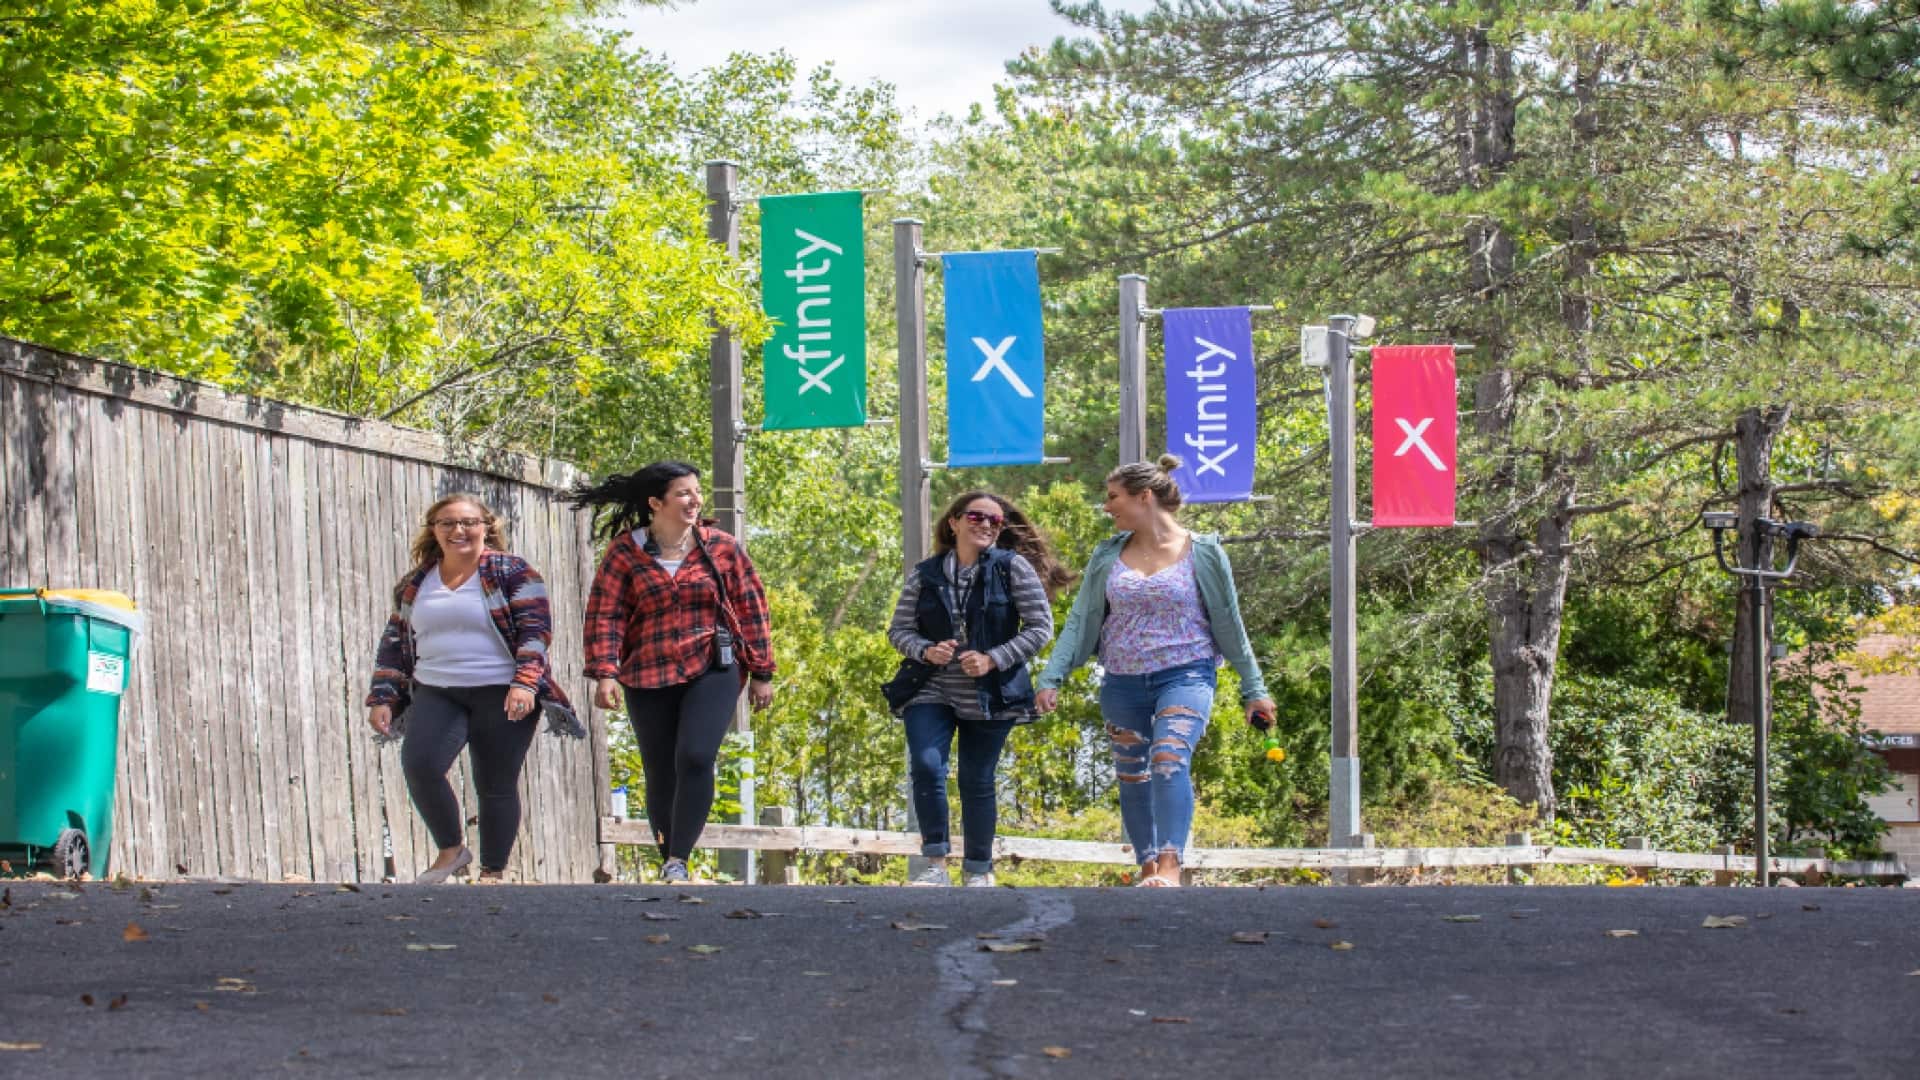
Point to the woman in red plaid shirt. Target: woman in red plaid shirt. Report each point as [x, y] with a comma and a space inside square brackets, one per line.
[677, 624]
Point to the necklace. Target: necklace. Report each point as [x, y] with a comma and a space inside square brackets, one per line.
[678, 547]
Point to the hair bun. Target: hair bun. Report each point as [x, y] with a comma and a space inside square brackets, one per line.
[1169, 463]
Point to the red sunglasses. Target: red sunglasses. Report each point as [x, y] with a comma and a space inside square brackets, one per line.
[981, 518]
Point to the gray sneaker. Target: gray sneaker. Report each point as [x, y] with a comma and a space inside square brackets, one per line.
[934, 876]
[980, 881]
[674, 872]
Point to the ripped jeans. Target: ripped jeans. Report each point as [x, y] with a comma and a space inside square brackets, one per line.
[1153, 723]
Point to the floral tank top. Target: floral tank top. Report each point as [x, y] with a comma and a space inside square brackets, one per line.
[1154, 623]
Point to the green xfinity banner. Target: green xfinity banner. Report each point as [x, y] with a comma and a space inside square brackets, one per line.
[813, 275]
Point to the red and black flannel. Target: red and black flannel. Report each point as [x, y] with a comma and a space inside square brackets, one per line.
[650, 630]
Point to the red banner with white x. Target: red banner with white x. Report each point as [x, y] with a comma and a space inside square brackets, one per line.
[1415, 428]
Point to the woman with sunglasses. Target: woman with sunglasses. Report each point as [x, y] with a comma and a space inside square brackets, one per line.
[677, 625]
[463, 663]
[967, 622]
[1158, 605]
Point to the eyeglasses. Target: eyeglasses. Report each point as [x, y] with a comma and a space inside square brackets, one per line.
[450, 524]
[977, 517]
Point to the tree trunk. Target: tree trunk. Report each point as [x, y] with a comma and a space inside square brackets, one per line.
[1525, 577]
[1756, 430]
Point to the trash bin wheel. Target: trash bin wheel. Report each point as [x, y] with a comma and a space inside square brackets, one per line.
[71, 856]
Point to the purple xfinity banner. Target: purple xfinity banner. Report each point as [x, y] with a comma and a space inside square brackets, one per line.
[1211, 414]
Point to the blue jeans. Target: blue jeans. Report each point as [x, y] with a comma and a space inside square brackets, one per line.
[930, 735]
[1153, 723]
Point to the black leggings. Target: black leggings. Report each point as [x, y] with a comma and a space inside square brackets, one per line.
[680, 729]
[441, 721]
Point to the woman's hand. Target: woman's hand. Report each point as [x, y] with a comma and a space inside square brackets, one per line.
[381, 717]
[606, 693]
[1261, 713]
[1045, 701]
[759, 693]
[940, 653]
[519, 703]
[976, 664]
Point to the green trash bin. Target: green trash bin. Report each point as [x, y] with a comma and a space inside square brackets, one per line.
[65, 656]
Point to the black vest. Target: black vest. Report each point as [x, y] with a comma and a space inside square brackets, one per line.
[992, 618]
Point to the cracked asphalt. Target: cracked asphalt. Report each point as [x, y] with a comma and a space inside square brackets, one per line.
[256, 979]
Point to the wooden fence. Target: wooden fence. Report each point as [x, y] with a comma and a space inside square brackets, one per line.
[262, 541]
[777, 835]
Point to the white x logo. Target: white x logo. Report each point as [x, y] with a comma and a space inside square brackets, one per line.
[997, 359]
[819, 378]
[1414, 433]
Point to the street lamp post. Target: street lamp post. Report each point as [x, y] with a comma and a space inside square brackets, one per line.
[1756, 579]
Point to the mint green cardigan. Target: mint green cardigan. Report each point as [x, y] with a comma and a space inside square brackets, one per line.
[1080, 639]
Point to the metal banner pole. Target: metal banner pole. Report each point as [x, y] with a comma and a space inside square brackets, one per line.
[916, 513]
[726, 492]
[1343, 825]
[1133, 368]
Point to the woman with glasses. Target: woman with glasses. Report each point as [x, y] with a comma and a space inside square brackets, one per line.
[463, 663]
[967, 622]
[1158, 605]
[677, 624]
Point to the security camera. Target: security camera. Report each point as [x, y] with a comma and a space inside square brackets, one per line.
[1720, 519]
[1796, 531]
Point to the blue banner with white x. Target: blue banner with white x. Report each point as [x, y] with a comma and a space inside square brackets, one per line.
[996, 377]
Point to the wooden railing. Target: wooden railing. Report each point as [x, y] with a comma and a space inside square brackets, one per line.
[782, 840]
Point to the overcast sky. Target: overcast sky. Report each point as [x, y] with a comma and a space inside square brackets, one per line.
[940, 55]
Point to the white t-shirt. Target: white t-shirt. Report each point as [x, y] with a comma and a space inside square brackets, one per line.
[455, 641]
[671, 566]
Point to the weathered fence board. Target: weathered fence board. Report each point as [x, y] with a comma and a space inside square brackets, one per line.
[262, 541]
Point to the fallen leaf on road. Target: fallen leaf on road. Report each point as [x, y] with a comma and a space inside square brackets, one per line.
[1461, 918]
[749, 913]
[400, 918]
[657, 939]
[119, 1002]
[704, 950]
[686, 899]
[910, 924]
[1172, 1020]
[421, 946]
[840, 901]
[987, 935]
[1055, 1052]
[1342, 946]
[1250, 937]
[641, 899]
[648, 916]
[22, 1046]
[1623, 933]
[236, 986]
[1723, 922]
[1324, 924]
[1136, 1012]
[87, 1000]
[1009, 946]
[146, 896]
[395, 1011]
[202, 1006]
[223, 892]
[347, 886]
[1014, 982]
[550, 999]
[1809, 907]
[133, 933]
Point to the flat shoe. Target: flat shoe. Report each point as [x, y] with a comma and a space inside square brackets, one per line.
[439, 877]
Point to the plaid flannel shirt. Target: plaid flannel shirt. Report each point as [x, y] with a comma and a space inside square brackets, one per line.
[649, 629]
[516, 597]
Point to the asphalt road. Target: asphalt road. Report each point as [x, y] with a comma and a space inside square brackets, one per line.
[244, 980]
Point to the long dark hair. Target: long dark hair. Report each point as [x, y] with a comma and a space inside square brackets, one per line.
[619, 503]
[1018, 535]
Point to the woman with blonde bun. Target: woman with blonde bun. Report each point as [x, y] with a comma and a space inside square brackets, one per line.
[1158, 606]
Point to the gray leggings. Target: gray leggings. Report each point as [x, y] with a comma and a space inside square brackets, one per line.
[440, 722]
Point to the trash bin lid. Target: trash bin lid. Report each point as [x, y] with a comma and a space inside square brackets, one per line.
[105, 604]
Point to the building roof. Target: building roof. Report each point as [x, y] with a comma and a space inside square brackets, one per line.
[1889, 703]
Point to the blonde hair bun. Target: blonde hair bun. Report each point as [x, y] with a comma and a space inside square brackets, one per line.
[1169, 463]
